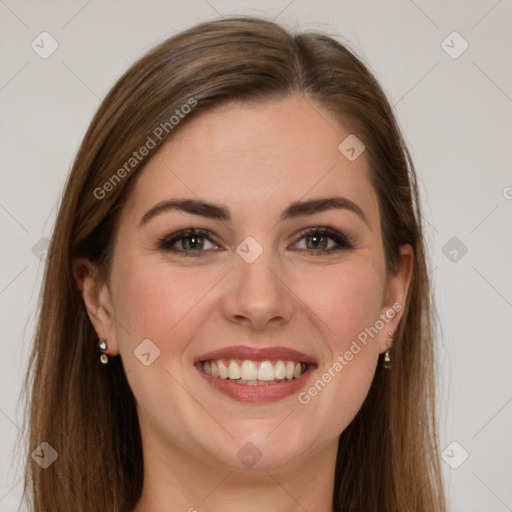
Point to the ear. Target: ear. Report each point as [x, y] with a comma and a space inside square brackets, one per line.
[97, 300]
[395, 296]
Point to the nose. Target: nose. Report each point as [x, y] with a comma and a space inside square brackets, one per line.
[257, 295]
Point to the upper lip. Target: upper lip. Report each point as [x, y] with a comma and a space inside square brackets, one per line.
[256, 354]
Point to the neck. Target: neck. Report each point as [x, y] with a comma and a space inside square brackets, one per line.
[175, 481]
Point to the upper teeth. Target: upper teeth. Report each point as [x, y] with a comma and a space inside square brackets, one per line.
[253, 370]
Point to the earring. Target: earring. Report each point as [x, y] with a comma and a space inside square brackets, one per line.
[102, 345]
[387, 357]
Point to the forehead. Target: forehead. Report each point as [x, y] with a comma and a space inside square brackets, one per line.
[254, 156]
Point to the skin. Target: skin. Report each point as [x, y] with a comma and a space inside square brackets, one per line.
[255, 160]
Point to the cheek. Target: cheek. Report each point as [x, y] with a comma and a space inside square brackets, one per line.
[152, 297]
[347, 301]
[347, 298]
[154, 303]
[166, 305]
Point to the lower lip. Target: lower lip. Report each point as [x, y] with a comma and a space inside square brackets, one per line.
[258, 393]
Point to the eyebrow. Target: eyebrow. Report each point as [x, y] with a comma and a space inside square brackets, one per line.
[219, 212]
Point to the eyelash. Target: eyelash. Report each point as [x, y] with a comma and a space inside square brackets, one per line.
[342, 240]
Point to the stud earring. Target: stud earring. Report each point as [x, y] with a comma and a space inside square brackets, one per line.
[387, 357]
[102, 345]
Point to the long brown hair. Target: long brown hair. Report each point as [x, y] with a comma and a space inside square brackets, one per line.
[388, 456]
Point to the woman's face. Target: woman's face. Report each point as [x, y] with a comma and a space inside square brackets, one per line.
[258, 280]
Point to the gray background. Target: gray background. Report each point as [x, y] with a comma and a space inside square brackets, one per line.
[455, 114]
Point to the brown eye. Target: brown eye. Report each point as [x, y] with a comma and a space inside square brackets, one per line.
[192, 242]
[323, 240]
[316, 241]
[188, 242]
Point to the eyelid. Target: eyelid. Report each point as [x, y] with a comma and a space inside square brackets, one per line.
[342, 240]
[166, 242]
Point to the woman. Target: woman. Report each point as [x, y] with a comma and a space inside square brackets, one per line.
[236, 309]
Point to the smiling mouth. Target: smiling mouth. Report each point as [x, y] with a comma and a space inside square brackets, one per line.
[253, 373]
